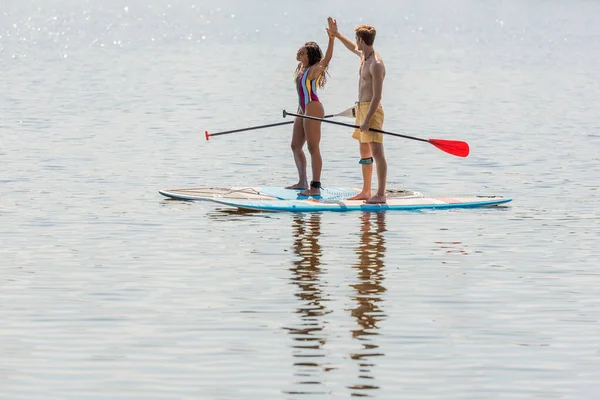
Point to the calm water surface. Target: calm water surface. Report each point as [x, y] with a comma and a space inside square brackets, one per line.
[108, 290]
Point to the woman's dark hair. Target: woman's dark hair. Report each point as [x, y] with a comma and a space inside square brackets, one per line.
[314, 53]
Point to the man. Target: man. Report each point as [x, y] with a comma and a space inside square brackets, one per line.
[369, 113]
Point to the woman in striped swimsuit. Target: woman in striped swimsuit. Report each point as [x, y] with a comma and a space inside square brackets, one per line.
[310, 74]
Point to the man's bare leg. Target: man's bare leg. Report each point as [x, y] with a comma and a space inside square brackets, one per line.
[381, 165]
[367, 173]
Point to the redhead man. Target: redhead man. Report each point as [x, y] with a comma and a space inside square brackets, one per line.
[369, 113]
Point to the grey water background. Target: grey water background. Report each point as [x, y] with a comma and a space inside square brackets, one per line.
[108, 290]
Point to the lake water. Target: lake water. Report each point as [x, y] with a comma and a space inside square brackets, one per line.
[108, 290]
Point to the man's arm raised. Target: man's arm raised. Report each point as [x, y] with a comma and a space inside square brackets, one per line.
[350, 45]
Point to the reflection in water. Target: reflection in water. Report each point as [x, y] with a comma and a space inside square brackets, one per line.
[455, 247]
[306, 274]
[368, 313]
[231, 214]
[310, 335]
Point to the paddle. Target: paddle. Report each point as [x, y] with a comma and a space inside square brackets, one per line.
[454, 147]
[349, 112]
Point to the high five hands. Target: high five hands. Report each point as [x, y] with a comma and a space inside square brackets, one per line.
[332, 29]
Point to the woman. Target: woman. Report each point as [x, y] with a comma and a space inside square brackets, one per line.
[310, 74]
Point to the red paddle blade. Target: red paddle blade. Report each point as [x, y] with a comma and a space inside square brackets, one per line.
[207, 134]
[454, 147]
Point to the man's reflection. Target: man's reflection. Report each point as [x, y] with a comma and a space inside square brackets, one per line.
[306, 274]
[368, 289]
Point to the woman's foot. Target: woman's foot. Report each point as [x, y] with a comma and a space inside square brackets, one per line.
[311, 192]
[314, 189]
[298, 186]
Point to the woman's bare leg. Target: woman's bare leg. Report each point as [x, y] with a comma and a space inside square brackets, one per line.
[312, 131]
[298, 140]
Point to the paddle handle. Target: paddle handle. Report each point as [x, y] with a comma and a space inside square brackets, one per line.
[247, 129]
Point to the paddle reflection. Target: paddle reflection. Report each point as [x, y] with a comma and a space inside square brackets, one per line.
[309, 335]
[368, 289]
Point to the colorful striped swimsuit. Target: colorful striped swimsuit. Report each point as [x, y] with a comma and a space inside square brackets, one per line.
[307, 89]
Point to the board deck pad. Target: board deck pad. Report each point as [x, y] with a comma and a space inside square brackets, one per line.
[270, 198]
[292, 194]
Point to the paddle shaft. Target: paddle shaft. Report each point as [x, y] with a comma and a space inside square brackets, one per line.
[257, 127]
[285, 114]
[251, 128]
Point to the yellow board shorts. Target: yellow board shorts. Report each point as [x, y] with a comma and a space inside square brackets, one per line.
[362, 109]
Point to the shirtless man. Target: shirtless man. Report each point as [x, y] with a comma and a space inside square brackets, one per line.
[369, 113]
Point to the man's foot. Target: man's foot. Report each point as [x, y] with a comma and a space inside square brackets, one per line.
[377, 200]
[310, 192]
[361, 196]
[298, 186]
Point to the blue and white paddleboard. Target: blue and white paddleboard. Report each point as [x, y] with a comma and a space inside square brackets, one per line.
[331, 199]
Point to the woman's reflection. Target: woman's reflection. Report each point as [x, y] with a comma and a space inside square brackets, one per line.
[306, 274]
[368, 289]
